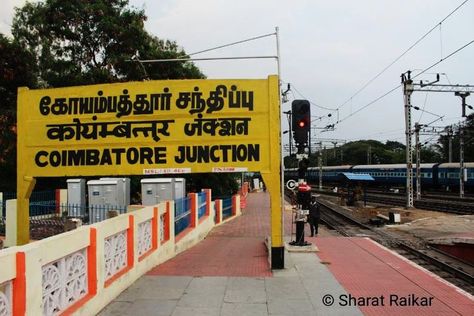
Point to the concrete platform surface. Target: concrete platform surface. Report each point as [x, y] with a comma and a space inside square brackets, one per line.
[228, 274]
[296, 290]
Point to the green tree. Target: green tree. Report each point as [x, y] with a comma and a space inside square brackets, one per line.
[17, 68]
[430, 154]
[363, 151]
[79, 42]
[468, 131]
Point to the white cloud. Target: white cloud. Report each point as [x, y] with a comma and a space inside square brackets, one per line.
[329, 49]
[6, 14]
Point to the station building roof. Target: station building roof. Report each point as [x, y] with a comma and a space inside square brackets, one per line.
[356, 176]
[456, 165]
[392, 166]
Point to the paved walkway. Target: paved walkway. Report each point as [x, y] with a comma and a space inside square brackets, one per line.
[228, 274]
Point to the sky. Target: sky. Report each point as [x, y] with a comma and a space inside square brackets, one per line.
[330, 53]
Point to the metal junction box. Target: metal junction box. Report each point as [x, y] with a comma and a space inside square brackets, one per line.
[123, 185]
[109, 192]
[156, 190]
[76, 197]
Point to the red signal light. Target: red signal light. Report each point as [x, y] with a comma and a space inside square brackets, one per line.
[301, 124]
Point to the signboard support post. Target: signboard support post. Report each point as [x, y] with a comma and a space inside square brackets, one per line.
[25, 186]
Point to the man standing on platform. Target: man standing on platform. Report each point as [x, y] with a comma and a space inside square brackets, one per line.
[314, 216]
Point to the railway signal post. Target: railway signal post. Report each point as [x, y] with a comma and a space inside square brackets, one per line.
[300, 125]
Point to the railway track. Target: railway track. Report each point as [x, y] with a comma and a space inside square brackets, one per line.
[449, 268]
[448, 206]
[426, 204]
[428, 196]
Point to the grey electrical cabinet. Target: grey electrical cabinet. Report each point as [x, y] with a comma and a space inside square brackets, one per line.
[156, 190]
[123, 185]
[179, 188]
[107, 194]
[76, 197]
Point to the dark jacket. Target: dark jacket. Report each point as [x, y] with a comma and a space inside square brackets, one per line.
[314, 210]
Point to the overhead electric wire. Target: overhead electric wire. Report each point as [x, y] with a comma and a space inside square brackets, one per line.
[443, 59]
[425, 111]
[403, 54]
[399, 86]
[424, 105]
[311, 102]
[231, 44]
[369, 104]
[439, 118]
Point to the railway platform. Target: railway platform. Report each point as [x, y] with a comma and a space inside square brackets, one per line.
[228, 274]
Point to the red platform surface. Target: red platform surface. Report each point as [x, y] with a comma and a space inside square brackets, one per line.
[235, 248]
[367, 269]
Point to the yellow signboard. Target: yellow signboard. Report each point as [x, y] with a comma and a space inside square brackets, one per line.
[151, 127]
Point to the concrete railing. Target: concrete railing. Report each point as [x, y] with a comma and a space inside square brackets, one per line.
[83, 270]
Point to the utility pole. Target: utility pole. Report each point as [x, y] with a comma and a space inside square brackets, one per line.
[320, 164]
[290, 134]
[461, 161]
[418, 149]
[334, 154]
[408, 88]
[463, 95]
[309, 141]
[450, 144]
[325, 156]
[407, 91]
[369, 155]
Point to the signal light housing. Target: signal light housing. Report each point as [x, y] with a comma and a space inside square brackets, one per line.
[300, 123]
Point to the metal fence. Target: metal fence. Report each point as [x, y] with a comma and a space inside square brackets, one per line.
[99, 213]
[182, 215]
[226, 208]
[44, 209]
[42, 203]
[3, 212]
[201, 199]
[43, 206]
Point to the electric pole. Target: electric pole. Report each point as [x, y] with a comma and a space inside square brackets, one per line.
[320, 164]
[409, 87]
[450, 144]
[418, 173]
[461, 161]
[369, 155]
[407, 91]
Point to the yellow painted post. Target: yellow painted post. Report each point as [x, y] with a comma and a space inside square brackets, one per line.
[25, 184]
[273, 179]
